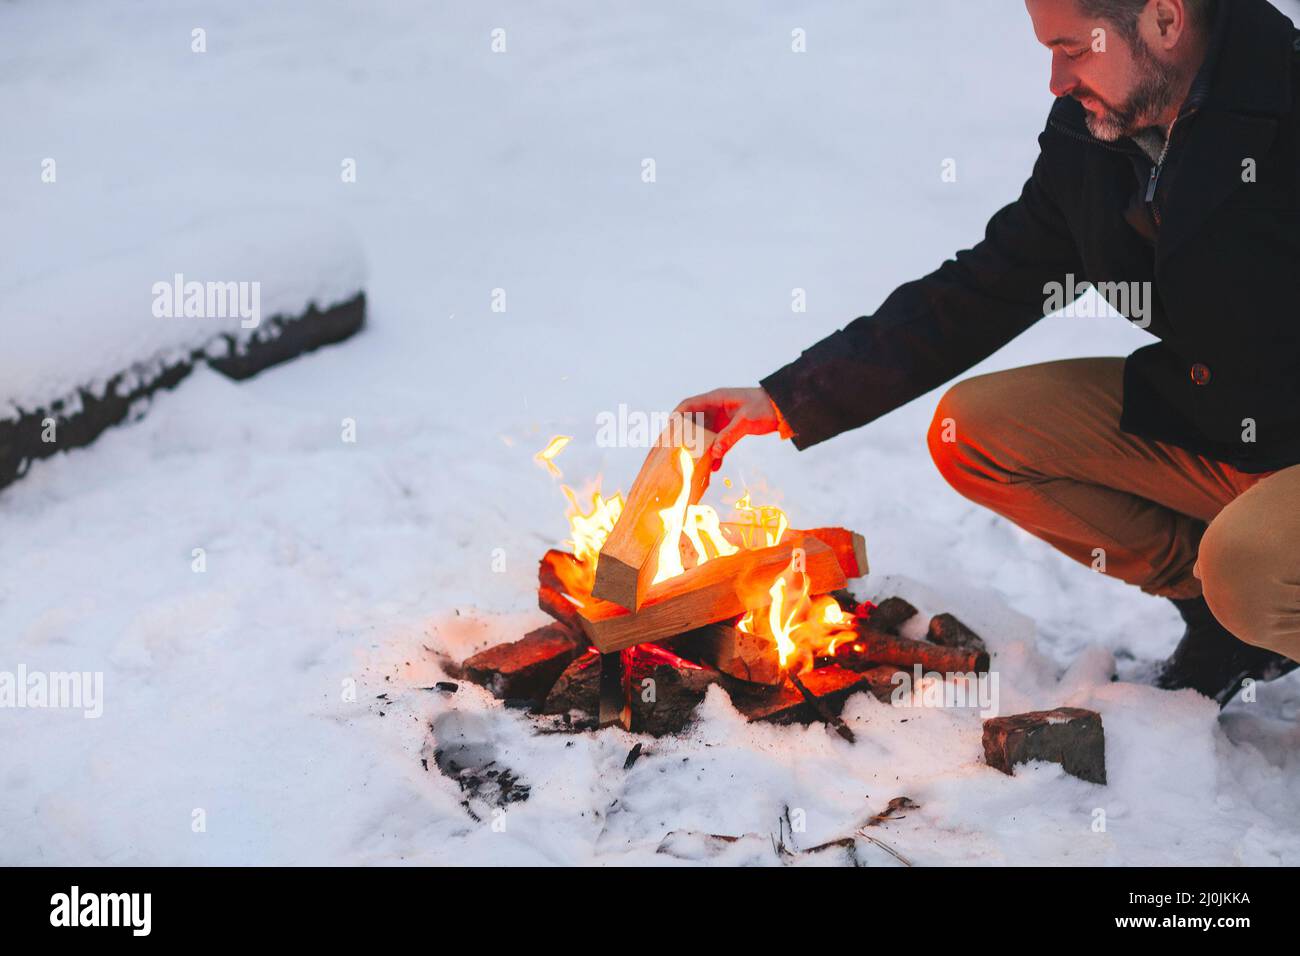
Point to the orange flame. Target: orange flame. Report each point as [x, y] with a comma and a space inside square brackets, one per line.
[546, 457]
[802, 628]
[699, 523]
[764, 525]
[589, 529]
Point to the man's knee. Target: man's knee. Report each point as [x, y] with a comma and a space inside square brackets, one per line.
[962, 431]
[1243, 576]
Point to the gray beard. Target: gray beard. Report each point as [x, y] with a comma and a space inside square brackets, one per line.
[1150, 99]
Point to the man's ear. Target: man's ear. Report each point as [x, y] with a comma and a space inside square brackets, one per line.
[1169, 22]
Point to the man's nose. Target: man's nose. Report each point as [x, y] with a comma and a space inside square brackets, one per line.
[1063, 81]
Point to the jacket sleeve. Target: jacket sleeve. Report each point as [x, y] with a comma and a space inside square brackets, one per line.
[931, 330]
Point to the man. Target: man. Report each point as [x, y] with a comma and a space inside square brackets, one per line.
[1168, 164]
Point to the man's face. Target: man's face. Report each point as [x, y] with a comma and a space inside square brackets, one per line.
[1123, 85]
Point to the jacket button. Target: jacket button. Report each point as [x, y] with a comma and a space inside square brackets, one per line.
[1200, 373]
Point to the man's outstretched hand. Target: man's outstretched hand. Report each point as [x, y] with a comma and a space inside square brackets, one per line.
[732, 413]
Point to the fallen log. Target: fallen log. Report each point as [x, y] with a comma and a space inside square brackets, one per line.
[629, 558]
[725, 587]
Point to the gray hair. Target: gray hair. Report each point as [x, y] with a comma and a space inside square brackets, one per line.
[1123, 14]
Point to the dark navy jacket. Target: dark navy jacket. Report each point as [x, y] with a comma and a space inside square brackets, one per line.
[1223, 260]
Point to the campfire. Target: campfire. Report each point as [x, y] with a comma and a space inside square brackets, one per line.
[659, 599]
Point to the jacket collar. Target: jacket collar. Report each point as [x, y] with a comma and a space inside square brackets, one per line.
[1246, 87]
[1248, 68]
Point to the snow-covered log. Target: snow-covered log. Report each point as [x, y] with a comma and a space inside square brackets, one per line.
[85, 349]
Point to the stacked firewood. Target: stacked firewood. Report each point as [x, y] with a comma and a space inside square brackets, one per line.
[557, 670]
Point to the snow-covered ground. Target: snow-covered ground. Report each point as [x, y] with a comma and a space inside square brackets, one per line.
[330, 561]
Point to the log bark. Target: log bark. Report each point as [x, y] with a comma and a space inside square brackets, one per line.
[629, 556]
[722, 588]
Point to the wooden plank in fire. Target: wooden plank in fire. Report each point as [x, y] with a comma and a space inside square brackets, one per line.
[722, 588]
[849, 546]
[629, 557]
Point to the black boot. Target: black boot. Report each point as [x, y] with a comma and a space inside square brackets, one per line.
[1210, 660]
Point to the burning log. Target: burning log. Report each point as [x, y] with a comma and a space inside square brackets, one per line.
[850, 549]
[1070, 736]
[553, 571]
[721, 588]
[950, 632]
[526, 668]
[874, 647]
[740, 654]
[627, 561]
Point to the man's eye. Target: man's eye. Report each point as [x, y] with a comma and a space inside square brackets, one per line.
[1078, 55]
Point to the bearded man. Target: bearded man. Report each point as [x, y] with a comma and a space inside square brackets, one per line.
[1169, 164]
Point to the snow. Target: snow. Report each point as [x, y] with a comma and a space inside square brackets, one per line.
[330, 562]
[78, 324]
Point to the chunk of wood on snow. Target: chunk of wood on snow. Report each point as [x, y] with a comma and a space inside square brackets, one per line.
[1070, 736]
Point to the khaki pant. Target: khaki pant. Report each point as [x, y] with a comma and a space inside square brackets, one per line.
[1042, 447]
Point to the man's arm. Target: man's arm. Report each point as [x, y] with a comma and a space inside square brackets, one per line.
[931, 330]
